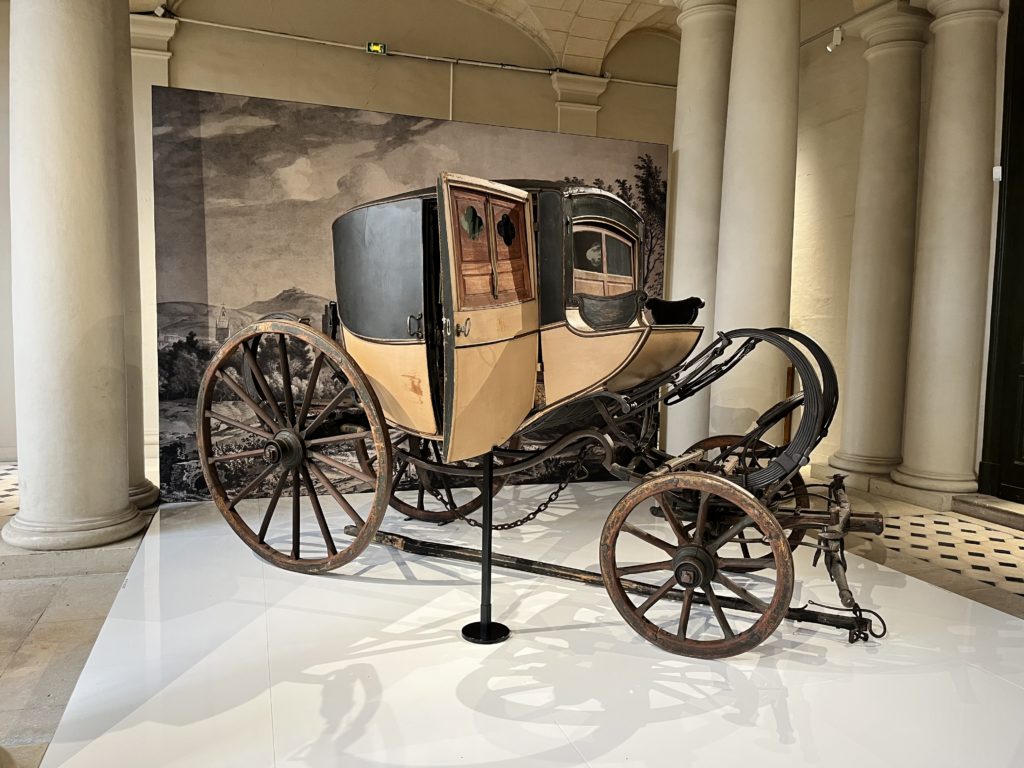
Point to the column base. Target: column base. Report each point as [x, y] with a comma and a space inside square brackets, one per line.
[868, 465]
[934, 481]
[933, 500]
[144, 494]
[32, 535]
[860, 471]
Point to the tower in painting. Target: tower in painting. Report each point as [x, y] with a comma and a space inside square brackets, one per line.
[223, 330]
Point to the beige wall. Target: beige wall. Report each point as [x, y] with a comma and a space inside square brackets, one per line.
[215, 59]
[832, 92]
[7, 431]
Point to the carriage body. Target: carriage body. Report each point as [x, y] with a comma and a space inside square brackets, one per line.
[476, 309]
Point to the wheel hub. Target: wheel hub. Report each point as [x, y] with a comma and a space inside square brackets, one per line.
[285, 449]
[693, 567]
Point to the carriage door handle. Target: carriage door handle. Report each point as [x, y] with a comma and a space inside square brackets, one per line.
[416, 332]
[463, 330]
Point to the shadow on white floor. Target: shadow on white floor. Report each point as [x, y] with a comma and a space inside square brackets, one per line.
[211, 657]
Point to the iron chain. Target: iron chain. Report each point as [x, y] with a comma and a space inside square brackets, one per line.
[577, 473]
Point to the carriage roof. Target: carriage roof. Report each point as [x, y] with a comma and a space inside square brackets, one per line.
[564, 188]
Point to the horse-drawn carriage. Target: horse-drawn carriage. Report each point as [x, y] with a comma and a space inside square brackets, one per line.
[484, 329]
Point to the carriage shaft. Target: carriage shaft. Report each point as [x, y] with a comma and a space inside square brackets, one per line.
[540, 568]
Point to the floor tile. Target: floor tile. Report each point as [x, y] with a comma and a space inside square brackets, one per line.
[28, 756]
[22, 602]
[44, 670]
[84, 597]
[29, 726]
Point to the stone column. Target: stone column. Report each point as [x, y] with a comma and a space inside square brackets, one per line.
[70, 70]
[882, 263]
[150, 37]
[950, 280]
[756, 234]
[577, 102]
[702, 93]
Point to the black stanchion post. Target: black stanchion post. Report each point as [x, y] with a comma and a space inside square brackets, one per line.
[486, 631]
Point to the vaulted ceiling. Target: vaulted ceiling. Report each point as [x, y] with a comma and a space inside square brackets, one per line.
[575, 35]
[580, 33]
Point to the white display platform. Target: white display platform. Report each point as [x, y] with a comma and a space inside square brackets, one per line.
[210, 657]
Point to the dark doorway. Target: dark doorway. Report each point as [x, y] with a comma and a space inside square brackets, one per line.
[1002, 466]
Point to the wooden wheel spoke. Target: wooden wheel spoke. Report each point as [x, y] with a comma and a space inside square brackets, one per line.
[655, 596]
[663, 565]
[318, 512]
[335, 494]
[212, 414]
[716, 606]
[684, 612]
[400, 475]
[261, 382]
[342, 438]
[250, 487]
[741, 592]
[307, 398]
[295, 514]
[673, 521]
[239, 390]
[649, 538]
[335, 402]
[343, 467]
[702, 518]
[733, 530]
[265, 525]
[286, 378]
[253, 454]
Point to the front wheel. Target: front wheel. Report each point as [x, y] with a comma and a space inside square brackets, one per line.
[672, 576]
[294, 436]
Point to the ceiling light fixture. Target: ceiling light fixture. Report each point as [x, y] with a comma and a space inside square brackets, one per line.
[837, 40]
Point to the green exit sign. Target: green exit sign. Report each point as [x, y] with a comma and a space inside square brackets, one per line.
[381, 49]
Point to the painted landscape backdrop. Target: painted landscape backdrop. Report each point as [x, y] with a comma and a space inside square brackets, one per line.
[246, 190]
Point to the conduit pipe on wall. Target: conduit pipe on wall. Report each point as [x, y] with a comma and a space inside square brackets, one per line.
[405, 54]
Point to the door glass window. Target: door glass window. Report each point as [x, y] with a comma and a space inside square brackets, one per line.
[602, 262]
[588, 250]
[620, 257]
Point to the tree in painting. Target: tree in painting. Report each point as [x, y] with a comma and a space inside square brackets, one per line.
[648, 195]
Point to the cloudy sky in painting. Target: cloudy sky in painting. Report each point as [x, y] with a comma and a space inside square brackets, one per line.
[247, 189]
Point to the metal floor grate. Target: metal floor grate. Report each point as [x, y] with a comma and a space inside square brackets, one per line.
[969, 547]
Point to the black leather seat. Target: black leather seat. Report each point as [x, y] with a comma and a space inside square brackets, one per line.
[603, 313]
[682, 312]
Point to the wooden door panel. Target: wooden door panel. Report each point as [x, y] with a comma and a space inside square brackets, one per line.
[490, 313]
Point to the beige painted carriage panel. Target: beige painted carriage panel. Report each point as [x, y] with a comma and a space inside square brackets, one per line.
[398, 375]
[575, 362]
[501, 322]
[490, 407]
[663, 349]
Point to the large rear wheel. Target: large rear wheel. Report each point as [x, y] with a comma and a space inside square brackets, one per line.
[295, 436]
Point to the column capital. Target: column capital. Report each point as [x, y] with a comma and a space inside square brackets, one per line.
[895, 21]
[578, 89]
[152, 33]
[689, 9]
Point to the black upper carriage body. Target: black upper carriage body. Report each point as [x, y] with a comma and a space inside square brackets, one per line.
[460, 352]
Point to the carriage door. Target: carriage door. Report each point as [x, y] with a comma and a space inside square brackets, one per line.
[490, 316]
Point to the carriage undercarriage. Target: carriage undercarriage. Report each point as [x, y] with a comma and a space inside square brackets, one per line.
[697, 557]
